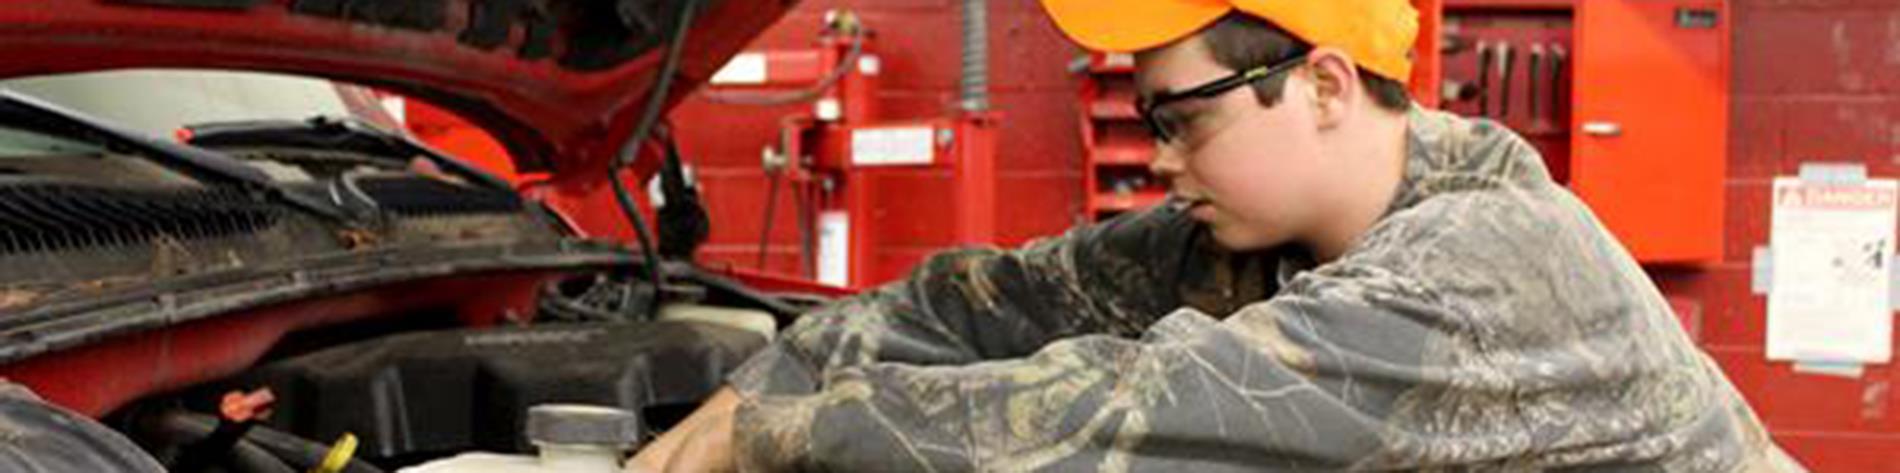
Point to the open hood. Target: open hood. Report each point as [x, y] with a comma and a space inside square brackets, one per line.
[560, 82]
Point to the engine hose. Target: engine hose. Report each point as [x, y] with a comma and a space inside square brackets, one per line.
[225, 446]
[302, 452]
[244, 456]
[656, 103]
[183, 427]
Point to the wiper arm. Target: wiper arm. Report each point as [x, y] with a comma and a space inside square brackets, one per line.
[201, 164]
[338, 133]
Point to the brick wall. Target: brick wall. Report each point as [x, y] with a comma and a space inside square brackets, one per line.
[1814, 80]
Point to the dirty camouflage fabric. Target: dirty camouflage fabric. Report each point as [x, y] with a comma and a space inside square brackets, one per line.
[37, 437]
[1487, 322]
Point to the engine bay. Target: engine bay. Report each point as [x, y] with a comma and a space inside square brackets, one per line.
[337, 282]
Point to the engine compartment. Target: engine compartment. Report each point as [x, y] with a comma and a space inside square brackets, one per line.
[376, 290]
[416, 383]
[419, 395]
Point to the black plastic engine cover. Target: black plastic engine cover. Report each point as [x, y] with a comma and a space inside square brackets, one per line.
[425, 394]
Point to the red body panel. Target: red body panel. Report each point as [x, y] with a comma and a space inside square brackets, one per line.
[103, 376]
[552, 117]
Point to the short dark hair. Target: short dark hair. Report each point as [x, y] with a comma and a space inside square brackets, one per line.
[1240, 41]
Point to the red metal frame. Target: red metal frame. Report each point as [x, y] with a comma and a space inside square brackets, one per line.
[98, 378]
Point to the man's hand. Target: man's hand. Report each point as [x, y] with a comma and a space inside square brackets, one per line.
[708, 449]
[701, 443]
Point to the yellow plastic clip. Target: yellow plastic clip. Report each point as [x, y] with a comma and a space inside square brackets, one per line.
[339, 456]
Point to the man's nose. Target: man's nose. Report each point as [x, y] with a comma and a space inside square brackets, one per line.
[1168, 161]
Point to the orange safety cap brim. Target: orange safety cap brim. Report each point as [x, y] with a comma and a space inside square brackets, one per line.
[1132, 25]
[1378, 34]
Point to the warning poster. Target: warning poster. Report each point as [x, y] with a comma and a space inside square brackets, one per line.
[1832, 245]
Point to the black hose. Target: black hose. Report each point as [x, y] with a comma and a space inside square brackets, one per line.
[245, 456]
[649, 253]
[217, 448]
[656, 103]
[301, 452]
[683, 223]
[292, 453]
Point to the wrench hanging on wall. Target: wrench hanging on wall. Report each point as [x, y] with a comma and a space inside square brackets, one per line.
[1506, 66]
[1558, 56]
[1532, 79]
[1484, 79]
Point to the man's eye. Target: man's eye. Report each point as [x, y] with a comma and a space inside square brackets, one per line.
[1173, 120]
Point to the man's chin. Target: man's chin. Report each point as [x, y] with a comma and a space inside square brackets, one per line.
[1239, 241]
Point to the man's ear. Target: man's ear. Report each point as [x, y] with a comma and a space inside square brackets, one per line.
[1336, 87]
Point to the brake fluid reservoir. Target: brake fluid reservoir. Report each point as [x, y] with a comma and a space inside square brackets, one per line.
[570, 439]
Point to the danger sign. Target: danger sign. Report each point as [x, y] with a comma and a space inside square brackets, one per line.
[1855, 197]
[1832, 250]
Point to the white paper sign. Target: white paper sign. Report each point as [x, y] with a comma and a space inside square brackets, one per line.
[834, 249]
[897, 146]
[1831, 246]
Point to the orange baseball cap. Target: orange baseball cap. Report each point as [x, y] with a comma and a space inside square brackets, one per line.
[1377, 33]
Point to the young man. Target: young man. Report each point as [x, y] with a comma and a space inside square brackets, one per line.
[1344, 281]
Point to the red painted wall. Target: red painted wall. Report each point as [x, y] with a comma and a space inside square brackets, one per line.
[1814, 80]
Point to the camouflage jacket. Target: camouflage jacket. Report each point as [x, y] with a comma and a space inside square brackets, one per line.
[1487, 322]
[37, 437]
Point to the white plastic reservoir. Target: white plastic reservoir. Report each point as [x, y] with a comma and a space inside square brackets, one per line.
[571, 438]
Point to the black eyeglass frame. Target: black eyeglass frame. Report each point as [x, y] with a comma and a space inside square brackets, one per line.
[1164, 132]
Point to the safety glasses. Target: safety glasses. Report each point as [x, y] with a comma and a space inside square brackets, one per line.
[1166, 126]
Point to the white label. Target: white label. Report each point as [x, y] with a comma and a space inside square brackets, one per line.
[870, 65]
[743, 69]
[1831, 246]
[834, 249]
[906, 146]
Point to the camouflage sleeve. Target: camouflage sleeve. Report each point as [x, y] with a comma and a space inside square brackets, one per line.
[1467, 336]
[1302, 381]
[971, 305]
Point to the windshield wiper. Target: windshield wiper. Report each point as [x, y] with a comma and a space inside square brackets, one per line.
[204, 165]
[327, 133]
